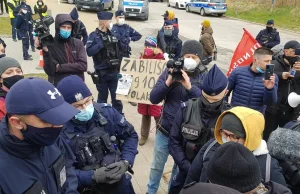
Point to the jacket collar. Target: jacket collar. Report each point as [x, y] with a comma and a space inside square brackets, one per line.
[262, 149]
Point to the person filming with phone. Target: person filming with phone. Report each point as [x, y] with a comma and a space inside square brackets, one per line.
[287, 67]
[254, 86]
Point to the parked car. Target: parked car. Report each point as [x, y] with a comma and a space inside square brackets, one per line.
[207, 7]
[135, 8]
[97, 5]
[178, 4]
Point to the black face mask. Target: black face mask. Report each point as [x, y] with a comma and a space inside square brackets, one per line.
[10, 81]
[269, 29]
[211, 107]
[291, 60]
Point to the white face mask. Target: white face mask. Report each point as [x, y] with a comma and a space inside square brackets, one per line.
[224, 140]
[190, 64]
[110, 25]
[121, 21]
[24, 11]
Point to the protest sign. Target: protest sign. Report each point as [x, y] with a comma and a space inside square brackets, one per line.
[145, 73]
[243, 54]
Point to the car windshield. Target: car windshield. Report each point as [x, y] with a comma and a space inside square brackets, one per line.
[217, 1]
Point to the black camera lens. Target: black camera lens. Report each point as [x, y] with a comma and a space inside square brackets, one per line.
[170, 63]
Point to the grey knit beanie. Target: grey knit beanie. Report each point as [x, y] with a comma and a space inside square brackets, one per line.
[192, 47]
[8, 62]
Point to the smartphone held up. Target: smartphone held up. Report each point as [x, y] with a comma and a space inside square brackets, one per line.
[269, 71]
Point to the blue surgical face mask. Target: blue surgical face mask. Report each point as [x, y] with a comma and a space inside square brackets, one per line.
[224, 140]
[65, 33]
[259, 69]
[85, 114]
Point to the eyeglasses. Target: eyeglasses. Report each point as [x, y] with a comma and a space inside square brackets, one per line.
[231, 136]
[83, 105]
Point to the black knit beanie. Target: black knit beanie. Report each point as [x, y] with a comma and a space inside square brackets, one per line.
[232, 123]
[192, 47]
[234, 166]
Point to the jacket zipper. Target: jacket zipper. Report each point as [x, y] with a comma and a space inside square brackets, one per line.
[45, 169]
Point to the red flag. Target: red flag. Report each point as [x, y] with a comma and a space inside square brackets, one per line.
[243, 53]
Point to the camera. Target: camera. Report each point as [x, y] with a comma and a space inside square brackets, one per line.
[177, 67]
[42, 30]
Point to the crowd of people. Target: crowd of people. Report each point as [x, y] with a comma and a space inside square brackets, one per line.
[235, 134]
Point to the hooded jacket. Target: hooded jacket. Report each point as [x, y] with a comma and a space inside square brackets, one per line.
[69, 54]
[26, 168]
[253, 123]
[40, 9]
[207, 41]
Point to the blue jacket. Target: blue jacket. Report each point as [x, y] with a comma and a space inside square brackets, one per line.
[29, 11]
[198, 169]
[172, 41]
[93, 46]
[268, 39]
[249, 91]
[23, 165]
[173, 96]
[22, 23]
[116, 125]
[125, 34]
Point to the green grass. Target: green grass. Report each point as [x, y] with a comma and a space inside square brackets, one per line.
[284, 17]
[5, 28]
[40, 75]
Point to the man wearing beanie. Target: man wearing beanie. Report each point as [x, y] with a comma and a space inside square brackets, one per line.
[125, 33]
[95, 135]
[79, 30]
[244, 126]
[281, 113]
[207, 40]
[67, 55]
[194, 122]
[248, 86]
[10, 73]
[104, 47]
[234, 166]
[169, 42]
[40, 8]
[173, 93]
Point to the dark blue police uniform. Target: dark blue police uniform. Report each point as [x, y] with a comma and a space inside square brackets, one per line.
[23, 26]
[104, 47]
[79, 30]
[101, 140]
[40, 162]
[30, 22]
[193, 125]
[125, 34]
[170, 44]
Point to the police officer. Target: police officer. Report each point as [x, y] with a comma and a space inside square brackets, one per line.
[104, 47]
[124, 33]
[173, 92]
[23, 26]
[33, 158]
[79, 30]
[12, 4]
[41, 9]
[2, 48]
[104, 143]
[268, 37]
[173, 44]
[194, 123]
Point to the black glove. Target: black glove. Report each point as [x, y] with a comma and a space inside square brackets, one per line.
[101, 175]
[116, 169]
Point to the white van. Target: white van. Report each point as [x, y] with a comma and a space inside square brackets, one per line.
[178, 4]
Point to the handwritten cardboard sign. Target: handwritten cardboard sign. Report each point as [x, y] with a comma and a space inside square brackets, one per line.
[145, 73]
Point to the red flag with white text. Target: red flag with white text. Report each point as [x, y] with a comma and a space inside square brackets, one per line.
[243, 54]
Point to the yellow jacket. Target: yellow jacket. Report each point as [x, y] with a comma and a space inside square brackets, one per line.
[253, 122]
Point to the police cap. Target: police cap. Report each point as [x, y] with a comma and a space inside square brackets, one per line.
[104, 15]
